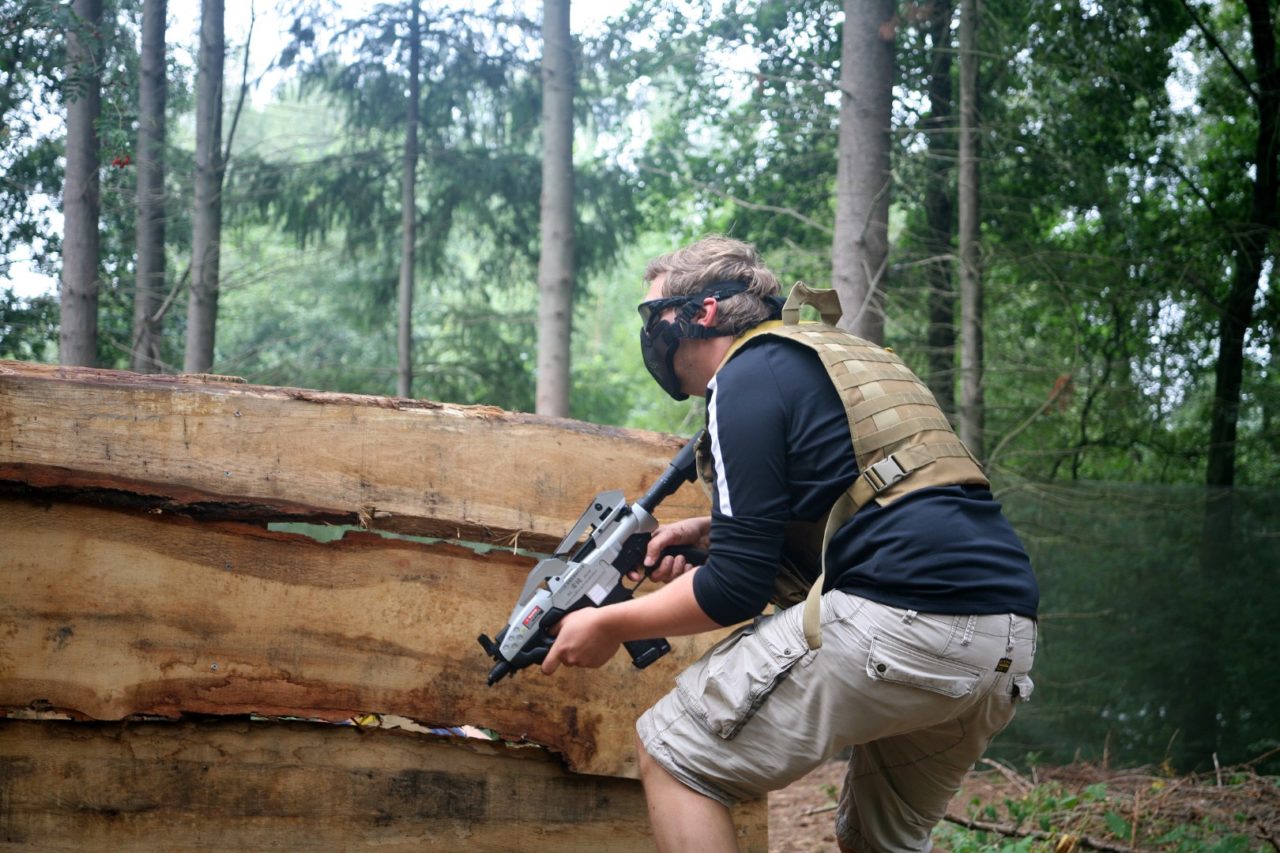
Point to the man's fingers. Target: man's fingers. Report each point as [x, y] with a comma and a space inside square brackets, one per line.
[660, 539]
[669, 569]
[551, 662]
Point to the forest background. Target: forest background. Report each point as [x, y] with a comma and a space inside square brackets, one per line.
[1119, 358]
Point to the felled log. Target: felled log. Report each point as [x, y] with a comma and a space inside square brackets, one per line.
[141, 578]
[240, 785]
[230, 450]
[109, 614]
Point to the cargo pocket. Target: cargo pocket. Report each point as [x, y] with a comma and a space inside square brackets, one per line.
[726, 687]
[1023, 686]
[898, 663]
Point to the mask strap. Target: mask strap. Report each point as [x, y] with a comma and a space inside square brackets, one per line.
[717, 290]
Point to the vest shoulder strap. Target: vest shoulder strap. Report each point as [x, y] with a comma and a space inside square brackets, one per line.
[901, 440]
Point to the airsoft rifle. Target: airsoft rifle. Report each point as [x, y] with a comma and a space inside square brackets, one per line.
[589, 573]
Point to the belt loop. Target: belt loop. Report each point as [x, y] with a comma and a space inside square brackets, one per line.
[1009, 642]
[968, 631]
[909, 617]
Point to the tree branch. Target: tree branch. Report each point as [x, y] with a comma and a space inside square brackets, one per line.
[1013, 433]
[749, 205]
[1200, 194]
[244, 87]
[1015, 832]
[1222, 51]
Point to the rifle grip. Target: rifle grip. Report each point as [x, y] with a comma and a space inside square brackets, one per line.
[643, 652]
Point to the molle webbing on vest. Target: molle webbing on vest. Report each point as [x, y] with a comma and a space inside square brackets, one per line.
[901, 439]
[891, 413]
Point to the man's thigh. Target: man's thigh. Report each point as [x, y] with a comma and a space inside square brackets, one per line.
[898, 787]
[760, 710]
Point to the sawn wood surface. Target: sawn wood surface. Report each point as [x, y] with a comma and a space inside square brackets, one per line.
[106, 614]
[226, 449]
[240, 785]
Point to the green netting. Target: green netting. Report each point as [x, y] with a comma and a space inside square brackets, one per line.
[1157, 640]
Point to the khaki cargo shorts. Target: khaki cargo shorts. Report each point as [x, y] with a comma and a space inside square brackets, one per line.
[917, 696]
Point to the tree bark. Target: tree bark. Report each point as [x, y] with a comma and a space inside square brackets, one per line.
[81, 196]
[150, 218]
[860, 246]
[972, 409]
[939, 217]
[202, 308]
[408, 209]
[1249, 246]
[1248, 255]
[555, 263]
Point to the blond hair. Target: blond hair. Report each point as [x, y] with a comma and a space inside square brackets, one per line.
[713, 259]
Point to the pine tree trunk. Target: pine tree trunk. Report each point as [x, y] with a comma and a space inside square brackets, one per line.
[408, 209]
[555, 264]
[860, 246]
[972, 409]
[202, 308]
[150, 217]
[78, 332]
[939, 218]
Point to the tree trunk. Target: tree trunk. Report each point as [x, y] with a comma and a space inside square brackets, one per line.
[860, 246]
[78, 332]
[972, 410]
[408, 209]
[1249, 250]
[555, 264]
[202, 308]
[939, 219]
[150, 217]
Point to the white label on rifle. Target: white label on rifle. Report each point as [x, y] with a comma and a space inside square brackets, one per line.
[597, 593]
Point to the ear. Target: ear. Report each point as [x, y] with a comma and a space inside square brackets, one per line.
[710, 310]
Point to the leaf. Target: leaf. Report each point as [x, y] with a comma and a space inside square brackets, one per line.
[1117, 825]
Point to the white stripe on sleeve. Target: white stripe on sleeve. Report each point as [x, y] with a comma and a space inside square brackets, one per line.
[713, 426]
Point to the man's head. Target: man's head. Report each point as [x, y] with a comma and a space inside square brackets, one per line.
[692, 269]
[699, 298]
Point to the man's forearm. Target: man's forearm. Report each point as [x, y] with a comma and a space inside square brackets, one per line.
[672, 611]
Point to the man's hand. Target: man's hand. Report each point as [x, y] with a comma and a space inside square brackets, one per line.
[583, 638]
[691, 531]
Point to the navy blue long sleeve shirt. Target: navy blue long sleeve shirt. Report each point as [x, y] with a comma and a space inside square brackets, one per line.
[782, 452]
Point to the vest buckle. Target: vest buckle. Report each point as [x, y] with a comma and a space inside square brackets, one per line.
[884, 473]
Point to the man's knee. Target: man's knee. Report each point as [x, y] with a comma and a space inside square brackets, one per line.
[644, 761]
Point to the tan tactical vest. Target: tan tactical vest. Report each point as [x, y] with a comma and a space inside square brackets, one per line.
[901, 439]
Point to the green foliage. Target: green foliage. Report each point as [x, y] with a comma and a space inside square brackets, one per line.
[31, 63]
[478, 183]
[1127, 614]
[28, 328]
[610, 383]
[1052, 815]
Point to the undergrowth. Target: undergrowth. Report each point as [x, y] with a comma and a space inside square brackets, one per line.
[1085, 807]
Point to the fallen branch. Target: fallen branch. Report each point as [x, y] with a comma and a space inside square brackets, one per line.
[1015, 779]
[829, 807]
[1266, 836]
[1065, 841]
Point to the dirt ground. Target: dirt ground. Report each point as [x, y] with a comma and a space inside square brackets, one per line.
[1066, 809]
[800, 820]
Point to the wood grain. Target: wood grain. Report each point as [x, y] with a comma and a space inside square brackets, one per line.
[139, 579]
[106, 614]
[261, 452]
[241, 785]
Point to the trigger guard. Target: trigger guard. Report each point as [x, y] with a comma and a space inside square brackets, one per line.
[535, 654]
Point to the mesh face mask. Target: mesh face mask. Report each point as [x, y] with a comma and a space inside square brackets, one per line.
[659, 338]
